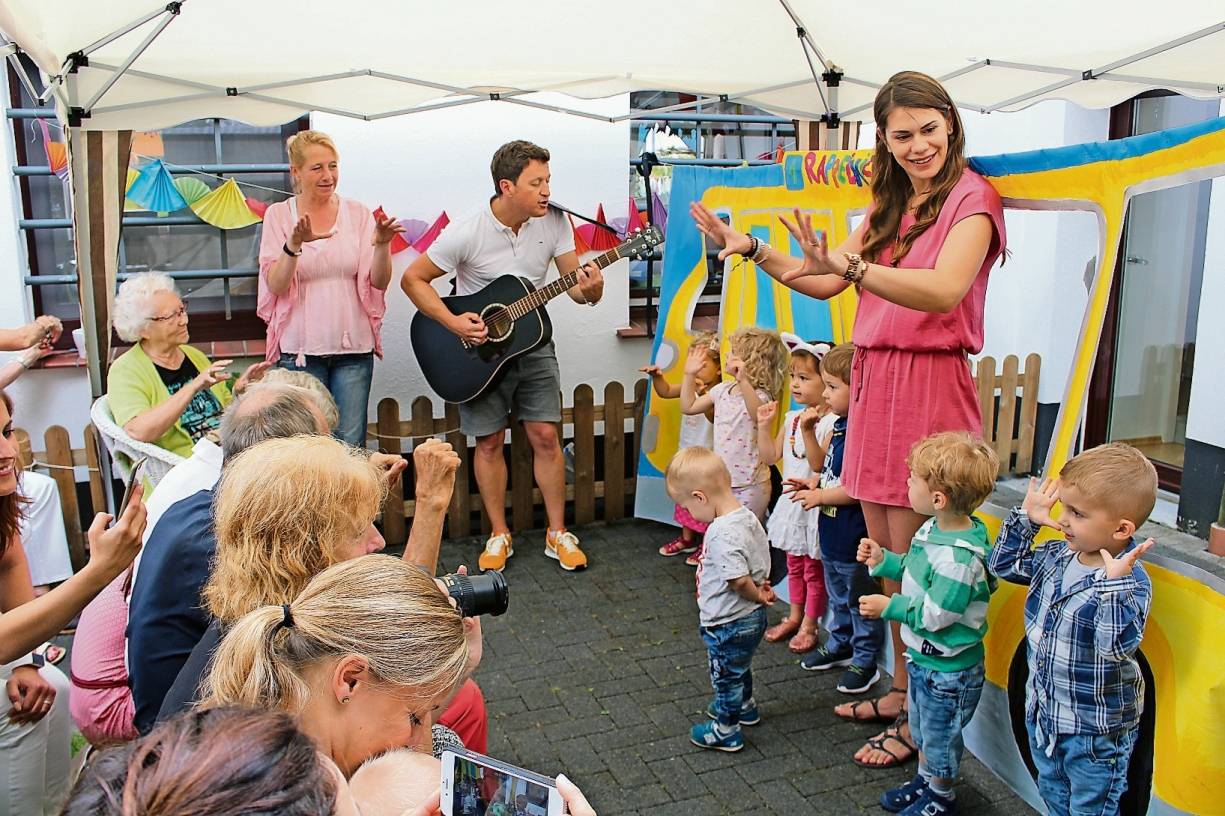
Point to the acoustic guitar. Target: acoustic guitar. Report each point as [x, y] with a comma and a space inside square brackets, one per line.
[514, 314]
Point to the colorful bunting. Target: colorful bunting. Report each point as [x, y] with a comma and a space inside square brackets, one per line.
[154, 189]
[225, 207]
[430, 235]
[258, 207]
[191, 188]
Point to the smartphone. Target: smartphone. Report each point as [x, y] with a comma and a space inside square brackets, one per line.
[476, 785]
[133, 480]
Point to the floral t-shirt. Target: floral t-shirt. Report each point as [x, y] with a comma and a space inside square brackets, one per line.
[736, 435]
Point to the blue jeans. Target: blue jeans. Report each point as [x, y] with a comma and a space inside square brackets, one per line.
[347, 377]
[941, 704]
[1085, 774]
[730, 647]
[848, 630]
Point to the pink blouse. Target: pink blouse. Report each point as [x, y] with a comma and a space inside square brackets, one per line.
[331, 306]
[880, 324]
[100, 700]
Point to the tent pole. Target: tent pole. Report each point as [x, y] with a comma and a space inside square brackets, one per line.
[171, 12]
[119, 32]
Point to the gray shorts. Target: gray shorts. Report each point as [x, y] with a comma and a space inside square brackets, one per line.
[531, 387]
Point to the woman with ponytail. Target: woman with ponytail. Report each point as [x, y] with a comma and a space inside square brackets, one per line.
[919, 262]
[363, 657]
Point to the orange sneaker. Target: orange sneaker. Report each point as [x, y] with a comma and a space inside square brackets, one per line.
[497, 549]
[563, 548]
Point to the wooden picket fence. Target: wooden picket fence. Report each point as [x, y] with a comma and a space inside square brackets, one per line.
[1009, 402]
[606, 437]
[58, 459]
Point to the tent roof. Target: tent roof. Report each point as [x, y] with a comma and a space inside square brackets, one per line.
[374, 59]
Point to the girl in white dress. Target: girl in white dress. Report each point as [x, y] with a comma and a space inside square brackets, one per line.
[791, 528]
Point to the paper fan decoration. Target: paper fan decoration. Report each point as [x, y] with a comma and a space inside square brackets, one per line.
[191, 188]
[57, 152]
[128, 203]
[258, 207]
[154, 189]
[431, 234]
[225, 208]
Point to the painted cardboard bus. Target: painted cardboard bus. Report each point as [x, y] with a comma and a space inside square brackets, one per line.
[1179, 765]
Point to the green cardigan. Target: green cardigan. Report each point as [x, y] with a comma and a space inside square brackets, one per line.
[134, 386]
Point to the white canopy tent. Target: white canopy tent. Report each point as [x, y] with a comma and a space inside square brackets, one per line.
[137, 64]
[122, 65]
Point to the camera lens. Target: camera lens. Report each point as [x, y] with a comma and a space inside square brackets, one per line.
[484, 594]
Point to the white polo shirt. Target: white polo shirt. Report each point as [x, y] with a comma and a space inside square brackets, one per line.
[481, 248]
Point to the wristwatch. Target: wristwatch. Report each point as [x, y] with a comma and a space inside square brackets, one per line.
[36, 660]
[289, 251]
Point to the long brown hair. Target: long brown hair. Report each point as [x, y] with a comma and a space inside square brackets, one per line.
[220, 760]
[10, 506]
[891, 187]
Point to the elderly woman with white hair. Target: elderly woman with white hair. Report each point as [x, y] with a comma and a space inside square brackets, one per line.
[162, 390]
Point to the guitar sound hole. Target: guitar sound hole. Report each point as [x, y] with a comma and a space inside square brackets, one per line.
[497, 321]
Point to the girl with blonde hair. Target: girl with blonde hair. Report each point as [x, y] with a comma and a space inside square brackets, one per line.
[756, 361]
[362, 657]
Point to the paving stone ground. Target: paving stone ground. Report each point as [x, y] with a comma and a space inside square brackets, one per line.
[600, 675]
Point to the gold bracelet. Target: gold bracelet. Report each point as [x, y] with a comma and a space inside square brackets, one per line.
[855, 268]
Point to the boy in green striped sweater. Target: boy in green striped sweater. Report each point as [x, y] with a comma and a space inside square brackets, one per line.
[942, 607]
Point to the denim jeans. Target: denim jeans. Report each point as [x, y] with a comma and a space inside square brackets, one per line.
[1085, 774]
[941, 704]
[730, 647]
[847, 628]
[347, 377]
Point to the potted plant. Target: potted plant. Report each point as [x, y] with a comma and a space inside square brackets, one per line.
[1216, 536]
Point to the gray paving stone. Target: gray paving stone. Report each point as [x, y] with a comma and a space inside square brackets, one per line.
[601, 674]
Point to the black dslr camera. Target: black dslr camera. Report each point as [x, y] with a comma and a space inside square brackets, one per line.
[484, 594]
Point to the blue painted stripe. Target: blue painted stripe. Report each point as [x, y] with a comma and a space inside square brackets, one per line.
[1060, 158]
[766, 315]
[811, 317]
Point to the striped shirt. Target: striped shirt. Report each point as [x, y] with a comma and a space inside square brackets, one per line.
[1083, 674]
[945, 591]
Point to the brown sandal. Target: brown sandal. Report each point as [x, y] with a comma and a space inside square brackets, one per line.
[893, 732]
[874, 702]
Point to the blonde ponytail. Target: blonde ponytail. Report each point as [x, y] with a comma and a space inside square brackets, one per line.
[388, 612]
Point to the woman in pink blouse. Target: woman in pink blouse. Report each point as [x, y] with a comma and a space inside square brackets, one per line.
[919, 261]
[325, 262]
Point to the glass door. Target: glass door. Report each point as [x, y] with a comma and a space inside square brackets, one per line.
[1161, 270]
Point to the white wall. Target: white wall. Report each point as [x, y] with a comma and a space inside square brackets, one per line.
[1205, 421]
[414, 167]
[419, 165]
[1035, 301]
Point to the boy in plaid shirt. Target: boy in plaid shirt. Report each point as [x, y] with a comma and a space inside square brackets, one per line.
[1084, 617]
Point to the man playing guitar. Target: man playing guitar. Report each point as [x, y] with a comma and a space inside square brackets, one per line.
[519, 234]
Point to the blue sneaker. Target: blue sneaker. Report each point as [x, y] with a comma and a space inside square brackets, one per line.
[901, 797]
[704, 735]
[931, 803]
[821, 659]
[749, 715]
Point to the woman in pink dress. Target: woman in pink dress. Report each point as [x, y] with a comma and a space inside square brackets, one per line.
[919, 261]
[325, 262]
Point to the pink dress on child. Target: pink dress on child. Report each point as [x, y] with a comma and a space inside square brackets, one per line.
[911, 374]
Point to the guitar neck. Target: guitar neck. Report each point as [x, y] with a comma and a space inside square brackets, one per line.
[544, 294]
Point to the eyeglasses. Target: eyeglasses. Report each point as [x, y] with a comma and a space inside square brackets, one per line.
[179, 312]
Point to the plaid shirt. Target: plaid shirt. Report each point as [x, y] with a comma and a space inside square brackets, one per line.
[1083, 675]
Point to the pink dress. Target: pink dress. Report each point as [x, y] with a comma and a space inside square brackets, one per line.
[911, 376]
[100, 700]
[331, 306]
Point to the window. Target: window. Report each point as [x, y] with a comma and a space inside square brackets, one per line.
[215, 269]
[715, 134]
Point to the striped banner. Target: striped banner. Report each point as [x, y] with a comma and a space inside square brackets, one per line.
[98, 160]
